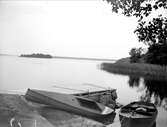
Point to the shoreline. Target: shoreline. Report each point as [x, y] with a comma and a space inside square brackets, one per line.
[149, 71]
[15, 108]
[64, 57]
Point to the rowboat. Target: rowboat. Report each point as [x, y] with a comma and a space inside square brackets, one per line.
[138, 114]
[74, 104]
[105, 97]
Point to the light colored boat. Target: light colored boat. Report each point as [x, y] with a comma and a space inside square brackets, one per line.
[105, 97]
[75, 104]
[138, 114]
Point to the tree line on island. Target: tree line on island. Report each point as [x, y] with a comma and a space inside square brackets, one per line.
[37, 55]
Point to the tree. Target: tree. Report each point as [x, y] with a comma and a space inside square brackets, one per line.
[156, 54]
[150, 31]
[135, 54]
[138, 8]
[154, 34]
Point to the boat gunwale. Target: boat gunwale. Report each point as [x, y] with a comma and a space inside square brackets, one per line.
[94, 92]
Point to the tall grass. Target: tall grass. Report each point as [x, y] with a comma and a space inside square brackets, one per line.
[139, 69]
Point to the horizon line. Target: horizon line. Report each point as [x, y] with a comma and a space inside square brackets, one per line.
[71, 57]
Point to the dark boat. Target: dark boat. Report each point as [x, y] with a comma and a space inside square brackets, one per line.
[138, 114]
[74, 104]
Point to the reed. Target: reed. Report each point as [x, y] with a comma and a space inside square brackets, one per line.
[138, 69]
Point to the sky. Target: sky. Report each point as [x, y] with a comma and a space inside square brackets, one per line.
[65, 28]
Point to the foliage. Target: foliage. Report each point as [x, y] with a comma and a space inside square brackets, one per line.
[155, 32]
[135, 54]
[36, 55]
[155, 35]
[150, 31]
[157, 54]
[137, 8]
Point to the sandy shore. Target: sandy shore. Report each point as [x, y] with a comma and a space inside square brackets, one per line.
[16, 111]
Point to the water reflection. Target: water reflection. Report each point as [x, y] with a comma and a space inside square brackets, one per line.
[154, 90]
[134, 81]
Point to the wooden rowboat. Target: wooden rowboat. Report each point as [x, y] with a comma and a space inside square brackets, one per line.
[138, 114]
[105, 97]
[74, 104]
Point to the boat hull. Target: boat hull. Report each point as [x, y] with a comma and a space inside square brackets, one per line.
[138, 118]
[134, 122]
[39, 97]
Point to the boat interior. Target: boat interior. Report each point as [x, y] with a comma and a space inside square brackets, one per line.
[147, 110]
[88, 104]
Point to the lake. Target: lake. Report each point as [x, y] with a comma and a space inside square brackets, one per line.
[19, 73]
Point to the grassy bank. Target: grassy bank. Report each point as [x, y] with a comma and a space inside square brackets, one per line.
[137, 69]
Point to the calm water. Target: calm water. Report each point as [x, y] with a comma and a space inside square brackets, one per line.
[17, 74]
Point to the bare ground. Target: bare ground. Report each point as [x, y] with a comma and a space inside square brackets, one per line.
[16, 111]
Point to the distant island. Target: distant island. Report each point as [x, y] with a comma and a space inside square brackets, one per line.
[36, 55]
[40, 55]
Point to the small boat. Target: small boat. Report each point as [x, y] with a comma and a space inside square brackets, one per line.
[138, 114]
[105, 97]
[74, 104]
